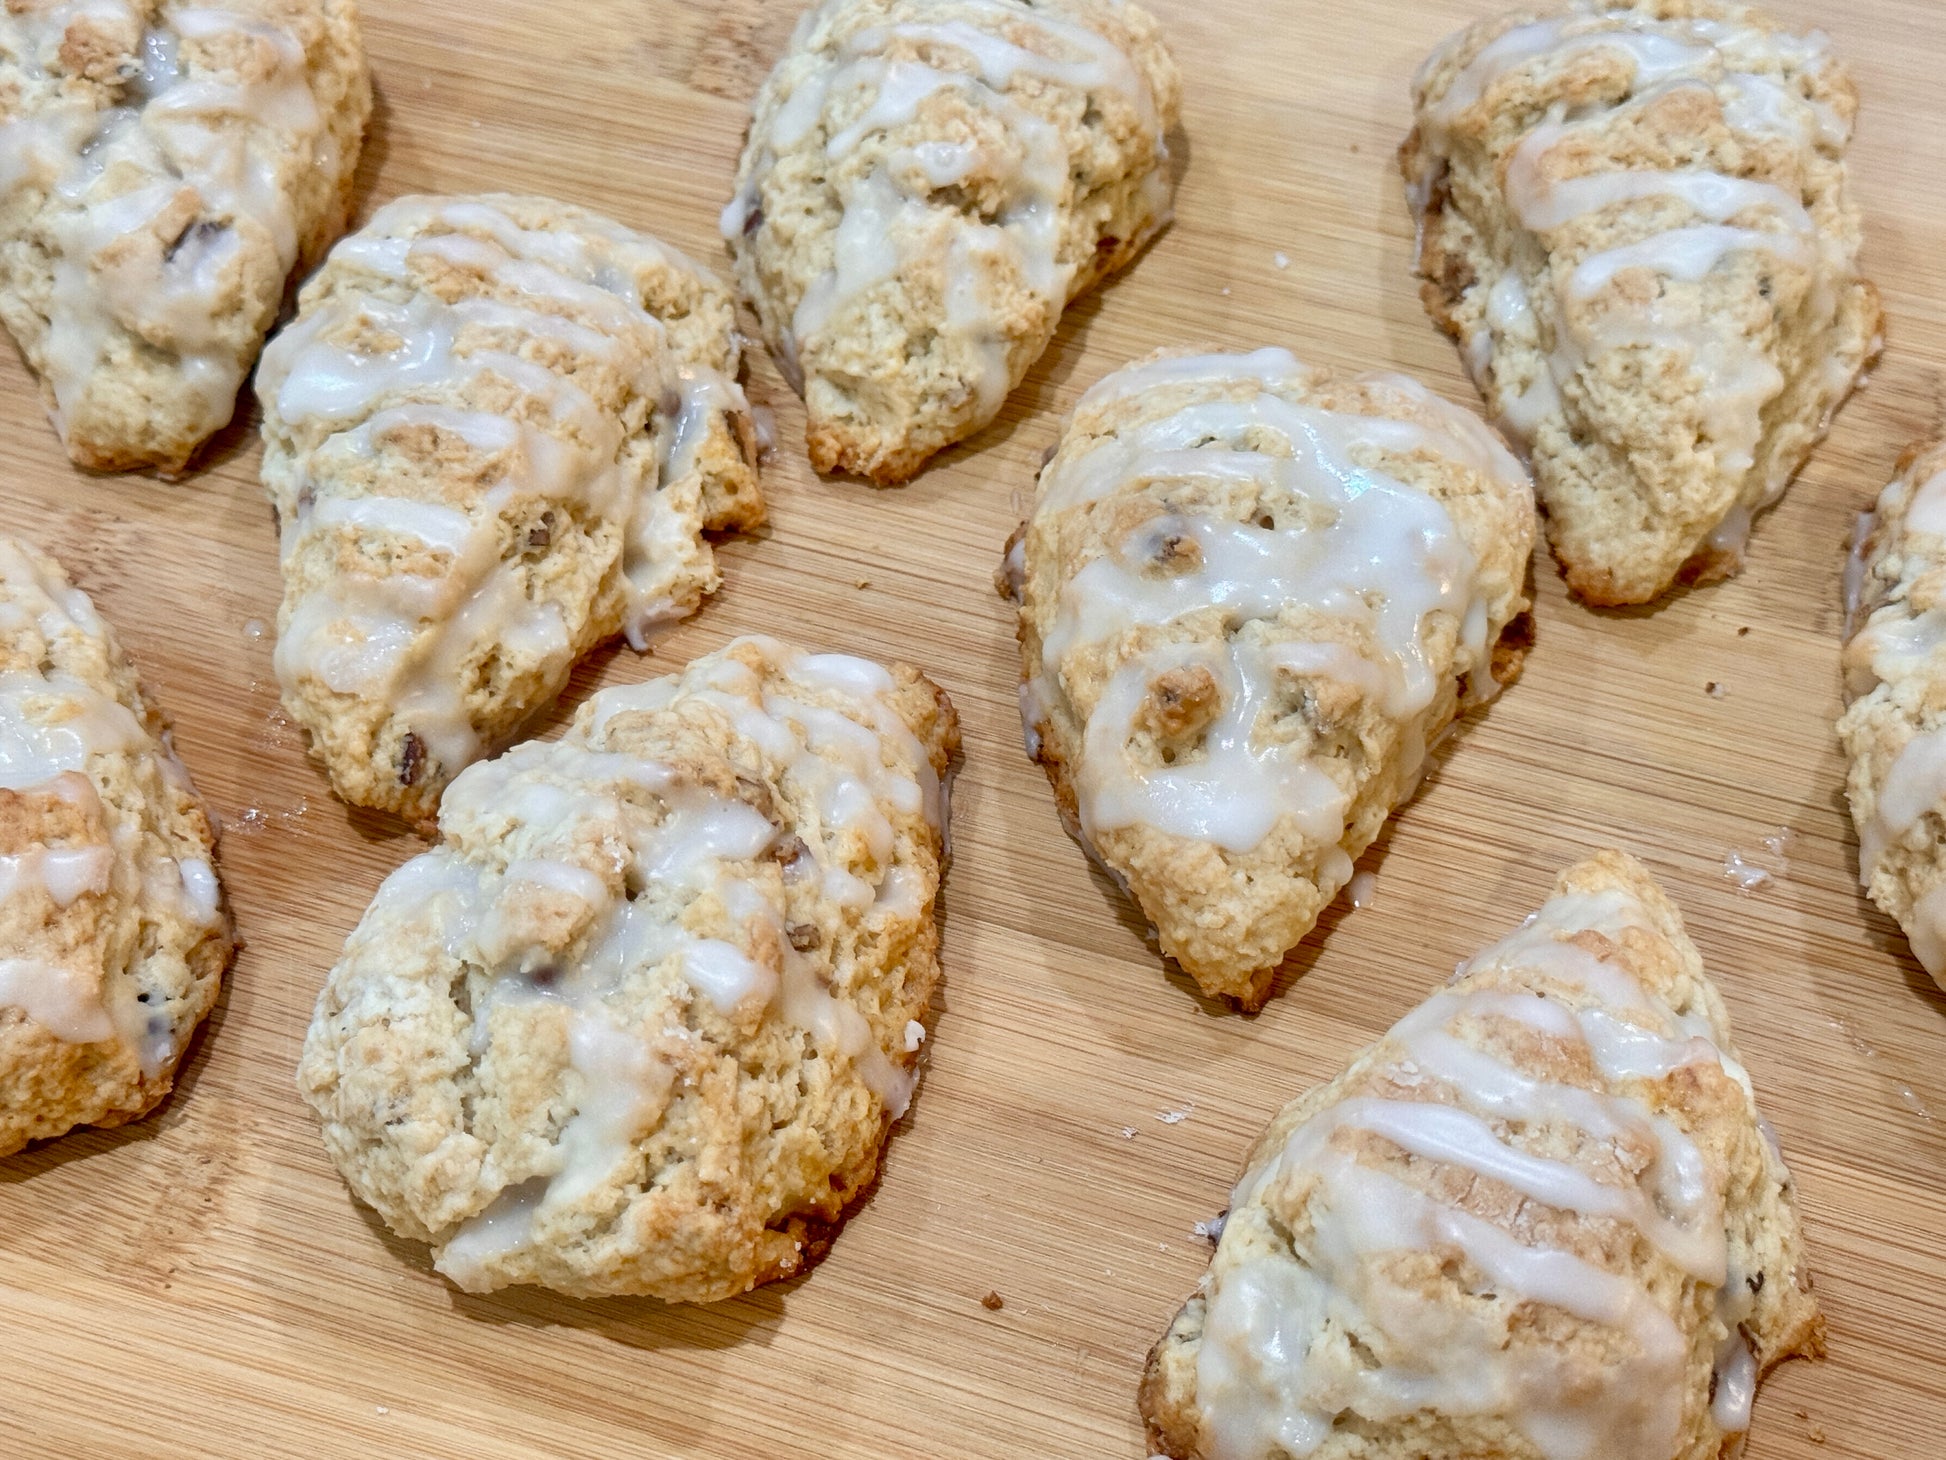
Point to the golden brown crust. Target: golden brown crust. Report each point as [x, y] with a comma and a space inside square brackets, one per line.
[1894, 727]
[1337, 709]
[659, 994]
[538, 482]
[141, 332]
[1423, 1307]
[1660, 296]
[111, 919]
[924, 186]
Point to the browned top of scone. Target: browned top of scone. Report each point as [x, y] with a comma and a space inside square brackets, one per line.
[642, 1021]
[1540, 1216]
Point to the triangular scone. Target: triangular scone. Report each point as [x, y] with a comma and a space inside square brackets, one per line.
[1251, 594]
[113, 937]
[642, 1022]
[1894, 728]
[1540, 1219]
[168, 165]
[1635, 219]
[925, 186]
[494, 437]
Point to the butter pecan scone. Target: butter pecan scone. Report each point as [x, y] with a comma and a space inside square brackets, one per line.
[1894, 726]
[1251, 594]
[1541, 1219]
[113, 938]
[1635, 220]
[642, 1022]
[924, 187]
[165, 166]
[494, 437]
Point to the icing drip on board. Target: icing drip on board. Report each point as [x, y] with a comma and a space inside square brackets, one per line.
[1359, 1180]
[686, 844]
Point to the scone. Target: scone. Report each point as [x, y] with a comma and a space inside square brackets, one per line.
[643, 1020]
[924, 187]
[1894, 726]
[1251, 594]
[168, 165]
[1540, 1219]
[1635, 220]
[113, 938]
[494, 437]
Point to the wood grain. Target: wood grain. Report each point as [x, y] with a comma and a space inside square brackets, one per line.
[201, 1283]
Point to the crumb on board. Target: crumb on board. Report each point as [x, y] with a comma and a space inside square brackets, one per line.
[1177, 1116]
[1128, 1132]
[993, 1302]
[861, 582]
[1742, 632]
[1716, 689]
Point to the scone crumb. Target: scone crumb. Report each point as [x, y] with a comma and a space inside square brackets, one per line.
[1716, 689]
[993, 1302]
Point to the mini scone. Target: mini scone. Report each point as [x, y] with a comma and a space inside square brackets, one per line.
[924, 187]
[165, 167]
[1894, 725]
[1634, 218]
[1541, 1219]
[1251, 594]
[643, 1020]
[494, 437]
[113, 938]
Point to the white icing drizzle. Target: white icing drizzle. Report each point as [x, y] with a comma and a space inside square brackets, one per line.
[180, 141]
[1738, 64]
[52, 727]
[892, 212]
[847, 760]
[1912, 788]
[1896, 646]
[1378, 557]
[407, 637]
[63, 873]
[1272, 1369]
[1925, 928]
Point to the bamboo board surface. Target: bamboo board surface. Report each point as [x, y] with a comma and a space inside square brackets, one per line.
[202, 1284]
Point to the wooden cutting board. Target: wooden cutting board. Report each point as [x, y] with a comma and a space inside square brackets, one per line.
[202, 1284]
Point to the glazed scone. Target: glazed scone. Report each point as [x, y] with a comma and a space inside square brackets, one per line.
[113, 938]
[924, 187]
[1251, 594]
[165, 167]
[1541, 1219]
[1894, 725]
[1635, 220]
[643, 1020]
[494, 437]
